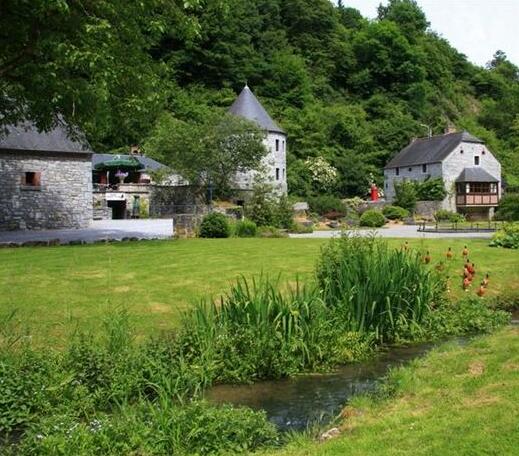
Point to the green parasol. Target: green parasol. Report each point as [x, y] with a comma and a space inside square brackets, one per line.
[119, 162]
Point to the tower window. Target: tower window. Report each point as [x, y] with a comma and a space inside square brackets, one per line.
[397, 171]
[476, 160]
[424, 168]
[277, 174]
[277, 145]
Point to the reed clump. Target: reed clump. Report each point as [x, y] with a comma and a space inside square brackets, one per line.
[376, 289]
[256, 332]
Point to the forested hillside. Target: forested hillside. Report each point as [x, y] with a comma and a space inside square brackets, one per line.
[350, 90]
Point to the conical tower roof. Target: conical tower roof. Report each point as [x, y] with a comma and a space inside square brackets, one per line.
[248, 107]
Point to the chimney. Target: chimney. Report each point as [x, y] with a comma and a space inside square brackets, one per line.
[450, 129]
[135, 149]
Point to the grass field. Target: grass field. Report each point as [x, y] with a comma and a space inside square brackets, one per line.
[56, 289]
[455, 401]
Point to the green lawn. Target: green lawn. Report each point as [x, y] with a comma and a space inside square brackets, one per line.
[56, 289]
[455, 401]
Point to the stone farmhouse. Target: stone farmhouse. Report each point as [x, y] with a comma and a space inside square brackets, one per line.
[45, 179]
[248, 107]
[471, 173]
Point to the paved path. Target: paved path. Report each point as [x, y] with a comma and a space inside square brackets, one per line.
[396, 231]
[98, 230]
[162, 229]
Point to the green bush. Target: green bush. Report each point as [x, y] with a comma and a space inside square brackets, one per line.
[443, 215]
[283, 213]
[467, 316]
[395, 212]
[431, 190]
[372, 218]
[266, 209]
[325, 204]
[245, 228]
[153, 429]
[507, 236]
[508, 209]
[405, 195]
[215, 225]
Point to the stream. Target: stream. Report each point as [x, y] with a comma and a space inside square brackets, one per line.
[298, 402]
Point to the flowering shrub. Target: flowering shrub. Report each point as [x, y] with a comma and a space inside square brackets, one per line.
[323, 174]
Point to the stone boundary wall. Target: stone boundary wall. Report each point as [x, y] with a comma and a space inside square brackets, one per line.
[427, 209]
[167, 201]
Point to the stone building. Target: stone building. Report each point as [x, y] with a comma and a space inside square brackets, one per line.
[45, 179]
[471, 173]
[248, 107]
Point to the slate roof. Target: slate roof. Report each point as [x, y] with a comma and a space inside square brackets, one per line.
[148, 163]
[26, 137]
[248, 107]
[475, 174]
[431, 150]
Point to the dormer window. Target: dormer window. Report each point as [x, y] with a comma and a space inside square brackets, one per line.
[476, 160]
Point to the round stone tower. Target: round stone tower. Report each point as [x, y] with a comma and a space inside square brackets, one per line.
[248, 107]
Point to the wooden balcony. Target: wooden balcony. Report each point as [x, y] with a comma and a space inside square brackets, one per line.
[477, 199]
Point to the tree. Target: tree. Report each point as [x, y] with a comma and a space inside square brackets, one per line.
[405, 195]
[209, 153]
[87, 62]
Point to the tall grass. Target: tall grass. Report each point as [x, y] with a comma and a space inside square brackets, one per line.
[376, 289]
[257, 331]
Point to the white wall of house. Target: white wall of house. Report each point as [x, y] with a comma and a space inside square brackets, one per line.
[415, 173]
[464, 157]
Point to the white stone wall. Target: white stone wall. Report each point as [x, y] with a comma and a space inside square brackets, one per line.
[454, 164]
[274, 160]
[414, 173]
[63, 200]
